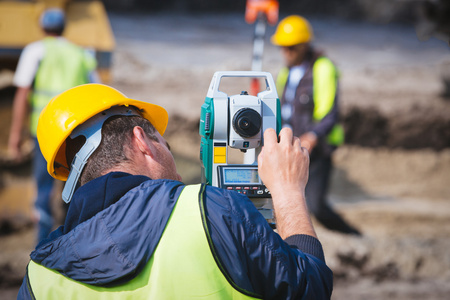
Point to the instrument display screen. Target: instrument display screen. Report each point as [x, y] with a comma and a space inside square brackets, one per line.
[239, 176]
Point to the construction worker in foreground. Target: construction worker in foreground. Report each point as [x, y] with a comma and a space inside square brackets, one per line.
[135, 231]
[46, 68]
[309, 106]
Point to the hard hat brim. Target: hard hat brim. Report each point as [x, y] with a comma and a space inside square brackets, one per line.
[275, 40]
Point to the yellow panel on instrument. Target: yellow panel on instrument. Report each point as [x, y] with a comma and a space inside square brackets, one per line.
[220, 155]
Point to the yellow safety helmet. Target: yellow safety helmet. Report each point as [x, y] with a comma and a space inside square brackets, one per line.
[291, 31]
[74, 107]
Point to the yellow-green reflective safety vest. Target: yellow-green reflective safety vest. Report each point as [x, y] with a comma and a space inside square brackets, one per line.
[64, 66]
[182, 266]
[324, 92]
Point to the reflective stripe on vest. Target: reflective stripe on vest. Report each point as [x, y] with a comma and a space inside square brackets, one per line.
[182, 266]
[64, 66]
[324, 93]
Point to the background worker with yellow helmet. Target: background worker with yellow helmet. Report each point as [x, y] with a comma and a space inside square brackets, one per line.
[308, 87]
[135, 231]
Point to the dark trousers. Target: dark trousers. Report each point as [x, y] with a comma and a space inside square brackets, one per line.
[316, 196]
[44, 186]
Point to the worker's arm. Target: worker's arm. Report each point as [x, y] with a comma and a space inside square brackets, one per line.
[24, 291]
[256, 258]
[23, 79]
[283, 167]
[321, 129]
[325, 114]
[19, 112]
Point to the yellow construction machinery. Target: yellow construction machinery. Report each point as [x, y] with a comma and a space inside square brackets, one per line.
[87, 25]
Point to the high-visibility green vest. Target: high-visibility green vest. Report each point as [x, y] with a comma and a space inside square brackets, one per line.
[324, 92]
[182, 266]
[64, 66]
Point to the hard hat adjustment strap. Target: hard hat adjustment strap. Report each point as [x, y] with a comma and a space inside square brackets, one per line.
[79, 162]
[92, 130]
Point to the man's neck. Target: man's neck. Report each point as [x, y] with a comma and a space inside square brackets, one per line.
[53, 35]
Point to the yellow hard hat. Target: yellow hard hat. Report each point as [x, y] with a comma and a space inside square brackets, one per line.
[291, 31]
[74, 107]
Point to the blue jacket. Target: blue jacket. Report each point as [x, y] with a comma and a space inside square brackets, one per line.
[114, 224]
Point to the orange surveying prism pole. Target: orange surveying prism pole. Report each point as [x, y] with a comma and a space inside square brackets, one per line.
[261, 12]
[269, 8]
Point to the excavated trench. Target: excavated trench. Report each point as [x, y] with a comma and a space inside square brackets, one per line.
[414, 128]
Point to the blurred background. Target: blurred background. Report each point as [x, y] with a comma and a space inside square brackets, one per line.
[391, 177]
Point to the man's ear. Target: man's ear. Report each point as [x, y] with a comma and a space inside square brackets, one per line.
[141, 140]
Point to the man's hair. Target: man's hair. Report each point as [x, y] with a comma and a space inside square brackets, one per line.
[114, 148]
[54, 31]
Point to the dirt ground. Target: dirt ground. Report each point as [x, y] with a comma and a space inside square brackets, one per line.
[391, 178]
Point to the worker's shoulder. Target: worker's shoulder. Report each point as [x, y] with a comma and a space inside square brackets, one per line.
[325, 60]
[212, 192]
[35, 45]
[165, 185]
[231, 202]
[324, 65]
[36, 48]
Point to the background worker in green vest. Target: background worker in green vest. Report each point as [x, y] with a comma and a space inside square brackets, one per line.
[308, 87]
[46, 68]
[135, 231]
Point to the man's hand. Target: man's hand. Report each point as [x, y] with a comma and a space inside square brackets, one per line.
[19, 112]
[14, 146]
[283, 164]
[283, 167]
[309, 140]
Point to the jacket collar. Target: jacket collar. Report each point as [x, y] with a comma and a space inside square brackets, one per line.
[113, 226]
